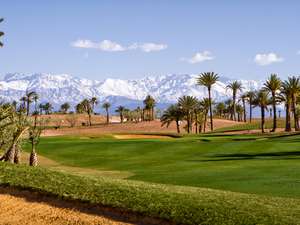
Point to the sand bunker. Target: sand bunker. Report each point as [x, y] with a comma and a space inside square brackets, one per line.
[140, 136]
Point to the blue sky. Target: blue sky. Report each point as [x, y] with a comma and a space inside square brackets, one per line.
[132, 39]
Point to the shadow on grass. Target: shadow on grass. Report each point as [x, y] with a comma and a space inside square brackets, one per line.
[249, 156]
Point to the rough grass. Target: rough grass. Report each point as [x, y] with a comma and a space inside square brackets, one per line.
[183, 205]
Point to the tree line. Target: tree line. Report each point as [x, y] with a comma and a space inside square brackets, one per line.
[274, 92]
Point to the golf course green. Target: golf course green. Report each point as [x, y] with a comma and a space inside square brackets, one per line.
[259, 164]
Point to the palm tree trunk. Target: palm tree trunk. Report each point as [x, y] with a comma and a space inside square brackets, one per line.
[17, 157]
[27, 108]
[196, 123]
[250, 103]
[10, 154]
[210, 110]
[90, 119]
[274, 113]
[234, 107]
[188, 121]
[177, 126]
[205, 119]
[287, 117]
[107, 116]
[33, 160]
[262, 119]
[244, 110]
[296, 120]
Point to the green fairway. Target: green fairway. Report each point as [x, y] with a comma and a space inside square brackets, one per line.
[251, 164]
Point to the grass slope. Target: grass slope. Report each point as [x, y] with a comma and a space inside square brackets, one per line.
[254, 125]
[252, 164]
[183, 205]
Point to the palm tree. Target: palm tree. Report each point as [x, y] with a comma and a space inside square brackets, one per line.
[285, 96]
[94, 102]
[272, 85]
[188, 104]
[234, 86]
[35, 99]
[208, 79]
[47, 108]
[220, 108]
[106, 106]
[262, 100]
[88, 108]
[29, 97]
[1, 33]
[149, 106]
[293, 84]
[65, 107]
[173, 113]
[244, 97]
[251, 96]
[205, 104]
[121, 110]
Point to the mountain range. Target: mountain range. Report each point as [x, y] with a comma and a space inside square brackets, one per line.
[62, 88]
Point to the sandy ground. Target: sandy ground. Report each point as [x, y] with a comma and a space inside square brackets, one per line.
[21, 207]
[117, 128]
[66, 119]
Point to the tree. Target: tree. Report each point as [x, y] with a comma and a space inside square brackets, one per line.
[251, 96]
[65, 107]
[187, 104]
[244, 97]
[208, 79]
[293, 84]
[87, 107]
[1, 33]
[94, 102]
[149, 103]
[106, 106]
[29, 97]
[220, 109]
[47, 107]
[19, 125]
[286, 97]
[205, 104]
[272, 85]
[173, 113]
[35, 131]
[262, 100]
[121, 110]
[234, 86]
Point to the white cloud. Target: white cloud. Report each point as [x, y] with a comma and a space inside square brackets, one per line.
[267, 59]
[298, 53]
[199, 57]
[151, 47]
[111, 46]
[106, 45]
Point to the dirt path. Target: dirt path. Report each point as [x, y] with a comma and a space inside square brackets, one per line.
[25, 208]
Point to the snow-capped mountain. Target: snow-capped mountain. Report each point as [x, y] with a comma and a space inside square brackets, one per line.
[62, 88]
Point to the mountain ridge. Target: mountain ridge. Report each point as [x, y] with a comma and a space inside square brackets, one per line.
[60, 88]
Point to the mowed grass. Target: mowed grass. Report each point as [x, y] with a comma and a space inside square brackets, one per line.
[182, 205]
[254, 125]
[267, 165]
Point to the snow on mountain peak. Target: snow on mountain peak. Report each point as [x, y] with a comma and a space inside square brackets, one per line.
[62, 88]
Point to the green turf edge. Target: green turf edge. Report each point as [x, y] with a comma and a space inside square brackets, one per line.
[184, 205]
